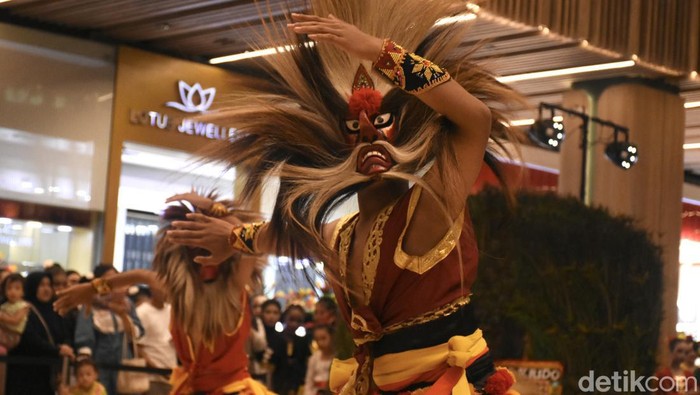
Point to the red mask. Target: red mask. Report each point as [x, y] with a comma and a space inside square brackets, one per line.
[365, 124]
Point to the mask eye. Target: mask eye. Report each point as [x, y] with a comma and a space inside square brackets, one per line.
[352, 125]
[383, 120]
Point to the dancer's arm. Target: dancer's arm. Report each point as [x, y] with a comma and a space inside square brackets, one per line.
[83, 293]
[432, 85]
[471, 117]
[217, 234]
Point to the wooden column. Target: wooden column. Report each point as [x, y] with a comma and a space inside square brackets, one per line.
[651, 191]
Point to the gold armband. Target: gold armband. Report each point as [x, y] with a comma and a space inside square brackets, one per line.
[217, 210]
[242, 237]
[407, 70]
[101, 286]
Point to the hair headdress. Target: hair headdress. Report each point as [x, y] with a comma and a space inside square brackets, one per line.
[289, 122]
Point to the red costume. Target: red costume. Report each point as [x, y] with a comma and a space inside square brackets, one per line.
[415, 329]
[217, 368]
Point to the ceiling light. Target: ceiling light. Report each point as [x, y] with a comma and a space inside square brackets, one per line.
[5, 221]
[34, 224]
[522, 122]
[566, 71]
[454, 19]
[64, 228]
[255, 54]
[17, 227]
[692, 104]
[691, 146]
[39, 190]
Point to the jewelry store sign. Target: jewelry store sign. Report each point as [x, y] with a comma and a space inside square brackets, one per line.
[193, 100]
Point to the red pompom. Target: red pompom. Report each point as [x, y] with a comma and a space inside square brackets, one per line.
[499, 382]
[366, 99]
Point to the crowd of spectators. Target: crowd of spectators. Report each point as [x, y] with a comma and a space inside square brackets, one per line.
[290, 350]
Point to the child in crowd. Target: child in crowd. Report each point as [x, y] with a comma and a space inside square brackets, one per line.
[86, 377]
[318, 371]
[13, 312]
[291, 355]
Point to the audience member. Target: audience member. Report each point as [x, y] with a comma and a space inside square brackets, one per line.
[86, 380]
[101, 331]
[59, 279]
[72, 278]
[44, 336]
[290, 356]
[675, 373]
[325, 311]
[319, 367]
[13, 312]
[156, 345]
[256, 345]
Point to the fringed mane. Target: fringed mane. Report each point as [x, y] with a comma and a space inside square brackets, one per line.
[204, 310]
[291, 125]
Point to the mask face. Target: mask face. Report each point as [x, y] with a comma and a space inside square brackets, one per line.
[365, 126]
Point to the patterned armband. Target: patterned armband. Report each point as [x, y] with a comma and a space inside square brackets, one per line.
[101, 286]
[409, 71]
[242, 237]
[217, 210]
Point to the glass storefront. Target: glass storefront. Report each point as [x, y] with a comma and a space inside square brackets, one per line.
[55, 116]
[29, 245]
[150, 175]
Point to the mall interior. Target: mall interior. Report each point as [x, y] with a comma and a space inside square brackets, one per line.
[100, 122]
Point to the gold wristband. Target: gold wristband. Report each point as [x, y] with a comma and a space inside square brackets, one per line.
[101, 287]
[407, 70]
[217, 210]
[242, 237]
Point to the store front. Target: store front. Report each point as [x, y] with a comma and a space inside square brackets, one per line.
[55, 114]
[157, 133]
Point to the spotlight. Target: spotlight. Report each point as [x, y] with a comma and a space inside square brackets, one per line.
[622, 154]
[547, 133]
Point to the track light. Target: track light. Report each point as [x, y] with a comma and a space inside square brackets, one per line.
[547, 133]
[622, 153]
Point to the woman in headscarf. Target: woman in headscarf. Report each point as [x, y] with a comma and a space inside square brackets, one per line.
[44, 337]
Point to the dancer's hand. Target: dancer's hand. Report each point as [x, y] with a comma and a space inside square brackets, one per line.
[205, 232]
[197, 200]
[346, 36]
[73, 297]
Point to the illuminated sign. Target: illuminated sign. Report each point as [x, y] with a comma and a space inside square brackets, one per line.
[194, 99]
[190, 94]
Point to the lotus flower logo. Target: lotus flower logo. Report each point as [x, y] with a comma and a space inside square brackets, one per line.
[194, 98]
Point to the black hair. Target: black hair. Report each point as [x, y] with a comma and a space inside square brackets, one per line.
[269, 302]
[674, 342]
[293, 307]
[12, 278]
[86, 362]
[101, 269]
[329, 303]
